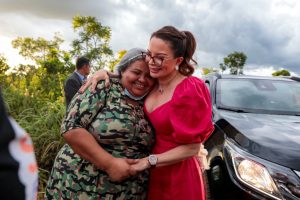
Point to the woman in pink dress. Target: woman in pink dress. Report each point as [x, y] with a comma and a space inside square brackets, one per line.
[179, 109]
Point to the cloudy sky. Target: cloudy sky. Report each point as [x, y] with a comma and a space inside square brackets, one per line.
[267, 31]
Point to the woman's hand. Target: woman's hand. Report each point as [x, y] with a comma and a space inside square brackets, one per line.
[202, 157]
[141, 165]
[120, 169]
[93, 80]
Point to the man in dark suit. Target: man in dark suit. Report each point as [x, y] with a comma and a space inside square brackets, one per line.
[76, 79]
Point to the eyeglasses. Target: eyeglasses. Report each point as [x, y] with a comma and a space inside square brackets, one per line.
[157, 60]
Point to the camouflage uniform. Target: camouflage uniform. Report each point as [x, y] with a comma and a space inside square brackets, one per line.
[120, 128]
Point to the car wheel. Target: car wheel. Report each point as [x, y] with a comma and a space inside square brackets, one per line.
[221, 187]
[219, 182]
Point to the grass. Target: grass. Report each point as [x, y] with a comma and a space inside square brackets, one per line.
[42, 120]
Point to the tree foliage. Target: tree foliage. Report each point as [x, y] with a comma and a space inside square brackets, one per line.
[46, 78]
[34, 92]
[3, 69]
[93, 41]
[235, 62]
[115, 61]
[3, 64]
[207, 70]
[38, 50]
[282, 72]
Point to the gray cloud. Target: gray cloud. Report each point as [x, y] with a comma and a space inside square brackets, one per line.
[266, 31]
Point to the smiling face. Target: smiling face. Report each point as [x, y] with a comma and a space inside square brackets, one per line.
[160, 50]
[136, 78]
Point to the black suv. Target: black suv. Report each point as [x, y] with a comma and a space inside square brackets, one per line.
[254, 151]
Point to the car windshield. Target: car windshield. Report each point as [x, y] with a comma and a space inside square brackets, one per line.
[259, 95]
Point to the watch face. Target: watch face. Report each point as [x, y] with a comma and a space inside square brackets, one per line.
[152, 159]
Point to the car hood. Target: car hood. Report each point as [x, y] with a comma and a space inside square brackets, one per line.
[272, 137]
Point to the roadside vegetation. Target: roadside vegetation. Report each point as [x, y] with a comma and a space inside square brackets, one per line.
[34, 93]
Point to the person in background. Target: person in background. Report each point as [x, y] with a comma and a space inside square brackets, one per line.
[180, 110]
[77, 78]
[104, 131]
[18, 167]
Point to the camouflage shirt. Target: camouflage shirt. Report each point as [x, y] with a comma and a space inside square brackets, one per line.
[120, 128]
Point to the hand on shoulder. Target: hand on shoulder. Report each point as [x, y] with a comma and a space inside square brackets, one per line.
[92, 81]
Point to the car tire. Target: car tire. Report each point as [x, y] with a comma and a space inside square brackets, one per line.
[207, 187]
[219, 182]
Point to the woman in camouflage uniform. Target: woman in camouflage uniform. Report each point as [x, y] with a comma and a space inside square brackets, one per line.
[105, 131]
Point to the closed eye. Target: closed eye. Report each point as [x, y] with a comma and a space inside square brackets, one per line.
[137, 72]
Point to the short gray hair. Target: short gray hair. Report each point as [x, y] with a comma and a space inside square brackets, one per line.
[131, 56]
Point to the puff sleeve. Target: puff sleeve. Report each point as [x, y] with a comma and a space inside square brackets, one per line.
[191, 112]
[83, 108]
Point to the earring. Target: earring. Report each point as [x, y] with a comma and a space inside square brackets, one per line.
[176, 67]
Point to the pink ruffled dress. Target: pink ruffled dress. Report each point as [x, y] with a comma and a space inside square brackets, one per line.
[185, 119]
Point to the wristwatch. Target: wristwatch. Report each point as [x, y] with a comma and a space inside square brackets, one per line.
[152, 159]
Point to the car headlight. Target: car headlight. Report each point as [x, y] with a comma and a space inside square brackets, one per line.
[267, 178]
[255, 175]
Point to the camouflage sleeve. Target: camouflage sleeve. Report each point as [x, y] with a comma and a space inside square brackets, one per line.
[83, 108]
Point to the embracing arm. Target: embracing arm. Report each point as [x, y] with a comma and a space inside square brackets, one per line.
[170, 157]
[177, 154]
[80, 113]
[85, 145]
[99, 75]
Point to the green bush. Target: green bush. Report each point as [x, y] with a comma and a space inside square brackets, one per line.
[42, 120]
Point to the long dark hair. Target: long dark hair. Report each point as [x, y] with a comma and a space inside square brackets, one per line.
[182, 43]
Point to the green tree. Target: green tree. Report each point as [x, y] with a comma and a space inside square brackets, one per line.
[115, 61]
[235, 62]
[207, 70]
[38, 50]
[3, 69]
[52, 66]
[3, 64]
[93, 41]
[282, 72]
[222, 67]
